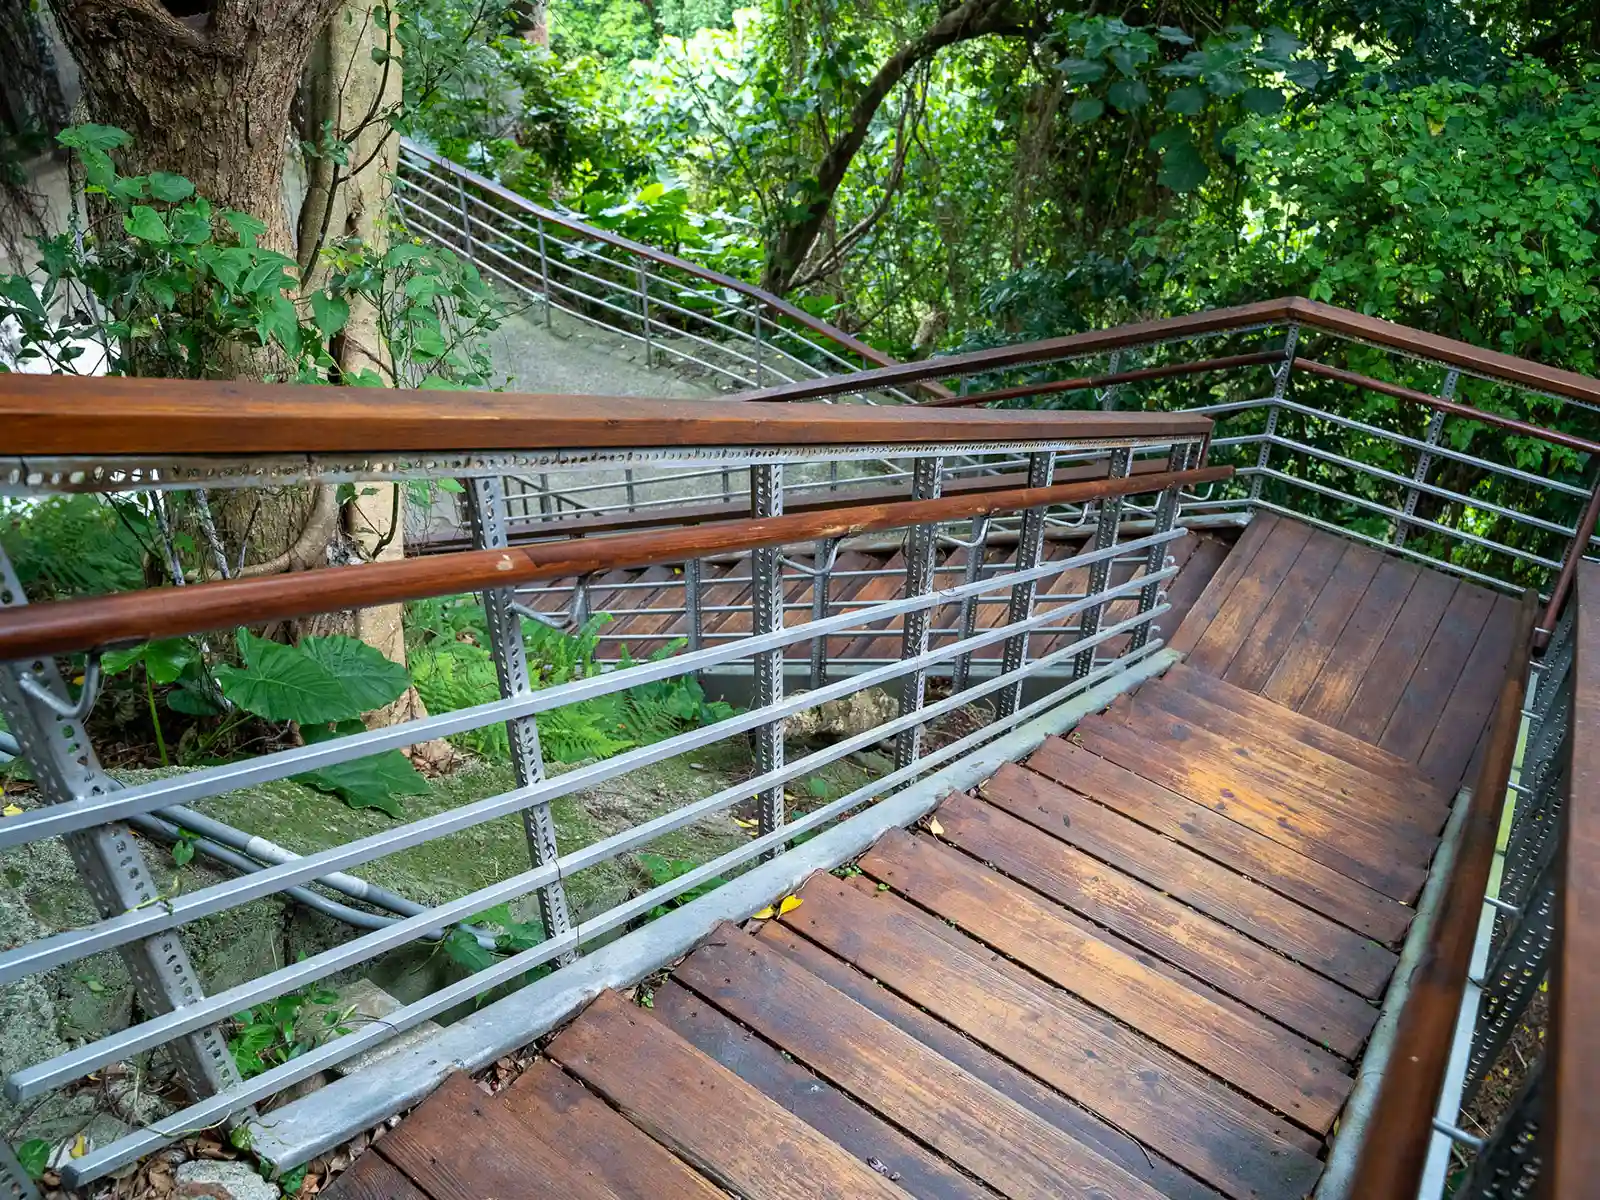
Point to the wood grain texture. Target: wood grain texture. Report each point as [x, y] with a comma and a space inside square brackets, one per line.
[1215, 596]
[1399, 656]
[1235, 623]
[1265, 1061]
[1205, 948]
[1313, 832]
[550, 1105]
[1240, 902]
[1286, 611]
[818, 1103]
[373, 1177]
[462, 1145]
[1454, 739]
[65, 625]
[1303, 656]
[1353, 651]
[1218, 837]
[966, 1052]
[1428, 691]
[707, 1115]
[969, 1122]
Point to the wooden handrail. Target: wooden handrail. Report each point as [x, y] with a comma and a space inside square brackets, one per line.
[69, 415]
[1087, 382]
[1390, 1163]
[1581, 537]
[662, 516]
[66, 626]
[661, 257]
[1572, 1054]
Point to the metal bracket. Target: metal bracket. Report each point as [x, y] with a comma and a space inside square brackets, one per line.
[486, 512]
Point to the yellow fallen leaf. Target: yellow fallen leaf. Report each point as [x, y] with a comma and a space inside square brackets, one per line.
[766, 914]
[12, 810]
[788, 904]
[80, 1147]
[743, 824]
[934, 827]
[77, 681]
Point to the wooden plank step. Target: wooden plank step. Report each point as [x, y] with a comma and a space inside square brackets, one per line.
[1302, 657]
[1300, 775]
[999, 1141]
[1235, 624]
[1279, 622]
[1431, 685]
[1215, 595]
[1312, 1006]
[825, 1108]
[1399, 655]
[373, 1177]
[1218, 837]
[463, 1145]
[1252, 713]
[1312, 832]
[550, 1105]
[1356, 645]
[703, 1112]
[1240, 902]
[1305, 1082]
[1142, 1089]
[1460, 727]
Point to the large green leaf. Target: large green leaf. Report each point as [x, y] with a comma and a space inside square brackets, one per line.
[146, 225]
[377, 781]
[321, 680]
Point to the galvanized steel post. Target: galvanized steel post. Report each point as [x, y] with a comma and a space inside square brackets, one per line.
[1178, 459]
[968, 620]
[1105, 536]
[1402, 528]
[544, 269]
[644, 314]
[485, 508]
[766, 606]
[1280, 388]
[1030, 549]
[920, 551]
[821, 584]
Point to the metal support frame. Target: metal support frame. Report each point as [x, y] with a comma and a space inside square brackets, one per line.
[1508, 1167]
[1107, 397]
[1402, 528]
[466, 220]
[14, 1181]
[1030, 548]
[693, 590]
[922, 544]
[544, 270]
[755, 312]
[644, 315]
[1280, 388]
[821, 583]
[485, 506]
[1105, 536]
[968, 621]
[766, 609]
[33, 701]
[1178, 459]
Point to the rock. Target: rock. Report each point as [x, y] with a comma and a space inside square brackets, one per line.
[372, 1003]
[204, 1179]
[848, 716]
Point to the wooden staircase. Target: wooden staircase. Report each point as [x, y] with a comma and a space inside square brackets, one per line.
[1143, 963]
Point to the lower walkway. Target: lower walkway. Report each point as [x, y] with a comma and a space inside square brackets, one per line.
[1142, 963]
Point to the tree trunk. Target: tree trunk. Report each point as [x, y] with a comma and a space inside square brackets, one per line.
[205, 96]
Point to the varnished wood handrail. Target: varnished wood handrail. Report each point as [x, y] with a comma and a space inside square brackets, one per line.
[69, 415]
[1085, 383]
[1390, 1163]
[66, 626]
[1572, 1054]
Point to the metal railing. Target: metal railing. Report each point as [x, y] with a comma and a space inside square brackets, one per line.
[1113, 624]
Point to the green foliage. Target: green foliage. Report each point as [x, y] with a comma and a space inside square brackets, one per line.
[320, 681]
[661, 870]
[275, 1031]
[66, 546]
[33, 1156]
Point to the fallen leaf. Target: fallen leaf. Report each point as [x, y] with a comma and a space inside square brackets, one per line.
[766, 914]
[80, 1147]
[934, 827]
[743, 824]
[12, 810]
[788, 904]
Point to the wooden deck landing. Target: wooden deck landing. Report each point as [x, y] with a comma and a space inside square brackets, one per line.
[1143, 963]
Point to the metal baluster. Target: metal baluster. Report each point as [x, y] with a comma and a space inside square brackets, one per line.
[1105, 536]
[766, 608]
[14, 1181]
[1280, 387]
[1178, 459]
[56, 746]
[544, 268]
[1508, 1166]
[544, 495]
[1030, 547]
[969, 605]
[760, 339]
[1402, 528]
[466, 219]
[692, 579]
[1108, 395]
[821, 584]
[627, 476]
[921, 550]
[484, 508]
[644, 314]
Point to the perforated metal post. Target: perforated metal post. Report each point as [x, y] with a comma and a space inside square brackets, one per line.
[486, 510]
[1402, 528]
[544, 269]
[1508, 1166]
[920, 550]
[968, 619]
[821, 585]
[1108, 395]
[14, 1181]
[644, 314]
[1280, 388]
[466, 219]
[693, 577]
[1180, 458]
[1030, 548]
[65, 768]
[755, 307]
[1105, 536]
[766, 610]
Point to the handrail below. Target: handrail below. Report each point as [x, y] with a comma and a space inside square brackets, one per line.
[1391, 1159]
[68, 626]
